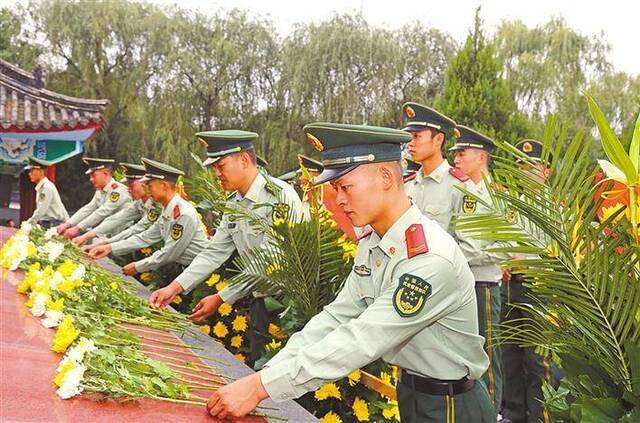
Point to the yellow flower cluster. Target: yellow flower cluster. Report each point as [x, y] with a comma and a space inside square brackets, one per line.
[330, 390]
[239, 324]
[65, 335]
[331, 417]
[392, 412]
[220, 330]
[360, 410]
[225, 309]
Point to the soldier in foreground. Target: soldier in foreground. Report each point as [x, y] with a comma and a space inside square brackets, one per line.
[409, 298]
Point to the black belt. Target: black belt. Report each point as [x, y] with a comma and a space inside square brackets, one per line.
[486, 284]
[437, 386]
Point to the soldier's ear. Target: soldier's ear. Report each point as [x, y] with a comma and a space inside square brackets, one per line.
[388, 173]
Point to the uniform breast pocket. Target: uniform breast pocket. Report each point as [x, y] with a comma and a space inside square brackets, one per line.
[364, 289]
[437, 209]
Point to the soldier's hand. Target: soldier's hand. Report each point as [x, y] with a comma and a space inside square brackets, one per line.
[238, 398]
[130, 269]
[72, 232]
[80, 240]
[62, 227]
[100, 251]
[206, 307]
[161, 298]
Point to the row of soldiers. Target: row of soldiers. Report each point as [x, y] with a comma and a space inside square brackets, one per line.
[422, 295]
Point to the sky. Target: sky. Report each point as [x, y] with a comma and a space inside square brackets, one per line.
[618, 20]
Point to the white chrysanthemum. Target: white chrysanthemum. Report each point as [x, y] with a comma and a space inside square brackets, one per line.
[78, 273]
[39, 304]
[72, 383]
[50, 232]
[25, 227]
[52, 319]
[87, 344]
[56, 280]
[53, 250]
[18, 255]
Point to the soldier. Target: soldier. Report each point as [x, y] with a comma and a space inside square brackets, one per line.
[433, 188]
[110, 197]
[409, 298]
[133, 212]
[49, 208]
[179, 226]
[524, 369]
[472, 156]
[232, 156]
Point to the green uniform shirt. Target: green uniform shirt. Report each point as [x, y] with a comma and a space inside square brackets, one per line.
[104, 203]
[436, 195]
[48, 203]
[485, 265]
[239, 234]
[181, 230]
[151, 213]
[431, 330]
[130, 213]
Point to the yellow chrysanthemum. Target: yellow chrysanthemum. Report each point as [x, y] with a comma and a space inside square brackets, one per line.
[276, 332]
[146, 251]
[393, 412]
[274, 345]
[331, 417]
[354, 377]
[55, 305]
[239, 324]
[225, 309]
[221, 285]
[67, 268]
[145, 277]
[220, 330]
[64, 368]
[360, 410]
[385, 377]
[31, 249]
[114, 285]
[213, 279]
[240, 357]
[68, 285]
[206, 329]
[236, 341]
[65, 335]
[330, 390]
[177, 300]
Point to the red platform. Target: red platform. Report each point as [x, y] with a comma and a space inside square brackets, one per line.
[27, 368]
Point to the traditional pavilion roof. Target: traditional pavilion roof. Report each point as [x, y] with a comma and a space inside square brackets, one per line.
[26, 105]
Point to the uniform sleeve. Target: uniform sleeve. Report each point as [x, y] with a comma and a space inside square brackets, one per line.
[181, 235]
[218, 250]
[85, 210]
[42, 206]
[296, 209]
[476, 251]
[140, 226]
[345, 307]
[111, 224]
[105, 210]
[379, 328]
[144, 239]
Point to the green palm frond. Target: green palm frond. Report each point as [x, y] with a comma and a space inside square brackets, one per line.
[584, 275]
[302, 264]
[205, 189]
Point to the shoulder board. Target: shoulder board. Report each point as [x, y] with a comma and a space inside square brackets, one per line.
[272, 188]
[176, 211]
[458, 174]
[114, 185]
[410, 177]
[416, 242]
[365, 234]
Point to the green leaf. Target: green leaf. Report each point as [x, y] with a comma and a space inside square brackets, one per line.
[601, 410]
[634, 149]
[611, 144]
